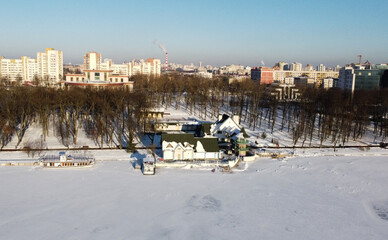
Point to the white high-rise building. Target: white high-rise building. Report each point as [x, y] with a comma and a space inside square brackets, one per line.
[321, 68]
[347, 78]
[155, 66]
[50, 65]
[30, 68]
[121, 69]
[327, 83]
[283, 65]
[92, 61]
[309, 67]
[12, 69]
[152, 66]
[295, 66]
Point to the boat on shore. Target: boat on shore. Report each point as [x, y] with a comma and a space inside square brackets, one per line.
[148, 165]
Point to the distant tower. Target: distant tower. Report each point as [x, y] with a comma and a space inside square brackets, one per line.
[359, 59]
[166, 60]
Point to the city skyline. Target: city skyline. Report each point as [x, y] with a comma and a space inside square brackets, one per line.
[216, 33]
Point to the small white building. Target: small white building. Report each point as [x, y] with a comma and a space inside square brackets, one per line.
[184, 146]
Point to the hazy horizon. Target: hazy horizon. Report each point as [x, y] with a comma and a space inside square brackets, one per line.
[213, 32]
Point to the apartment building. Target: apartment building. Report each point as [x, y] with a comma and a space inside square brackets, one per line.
[262, 74]
[48, 66]
[279, 75]
[360, 77]
[151, 66]
[108, 74]
[295, 66]
[11, 69]
[92, 61]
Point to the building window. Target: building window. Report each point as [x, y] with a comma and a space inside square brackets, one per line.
[71, 79]
[122, 80]
[369, 74]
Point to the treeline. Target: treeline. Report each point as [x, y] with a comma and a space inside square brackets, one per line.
[113, 117]
[106, 115]
[325, 115]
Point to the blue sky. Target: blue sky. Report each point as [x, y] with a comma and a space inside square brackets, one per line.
[215, 32]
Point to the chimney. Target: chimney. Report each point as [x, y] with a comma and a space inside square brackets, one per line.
[236, 118]
[219, 117]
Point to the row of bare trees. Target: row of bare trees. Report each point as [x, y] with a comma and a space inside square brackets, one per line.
[113, 117]
[109, 116]
[324, 115]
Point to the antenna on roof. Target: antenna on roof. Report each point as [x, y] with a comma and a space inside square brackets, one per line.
[359, 59]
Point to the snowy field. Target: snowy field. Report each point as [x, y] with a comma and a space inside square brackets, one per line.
[319, 194]
[324, 197]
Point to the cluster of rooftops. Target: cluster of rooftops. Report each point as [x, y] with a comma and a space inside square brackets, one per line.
[193, 140]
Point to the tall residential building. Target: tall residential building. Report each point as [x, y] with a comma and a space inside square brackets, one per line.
[12, 69]
[309, 67]
[327, 83]
[92, 61]
[347, 78]
[50, 64]
[108, 74]
[283, 65]
[280, 76]
[30, 68]
[321, 68]
[337, 68]
[155, 65]
[232, 69]
[358, 77]
[361, 77]
[295, 66]
[263, 74]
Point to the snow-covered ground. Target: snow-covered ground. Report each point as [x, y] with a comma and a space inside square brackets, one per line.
[319, 194]
[321, 197]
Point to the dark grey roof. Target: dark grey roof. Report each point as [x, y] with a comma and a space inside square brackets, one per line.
[209, 144]
[179, 138]
[223, 119]
[206, 127]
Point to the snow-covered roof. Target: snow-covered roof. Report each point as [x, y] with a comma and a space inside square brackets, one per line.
[188, 141]
[226, 124]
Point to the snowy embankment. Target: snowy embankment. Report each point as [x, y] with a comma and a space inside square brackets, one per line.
[297, 198]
